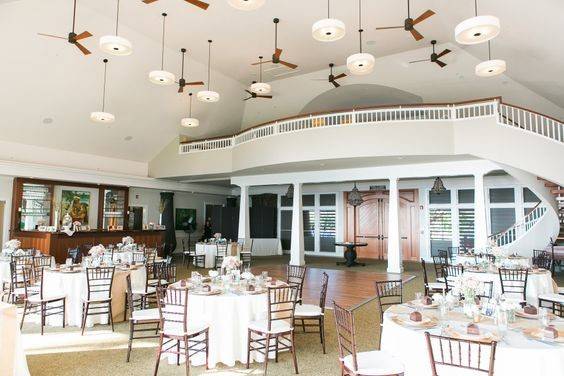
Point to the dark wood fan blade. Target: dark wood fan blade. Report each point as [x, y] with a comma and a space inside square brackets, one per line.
[419, 61]
[83, 35]
[389, 27]
[446, 51]
[82, 48]
[416, 34]
[336, 84]
[289, 65]
[262, 62]
[248, 91]
[246, 99]
[339, 76]
[52, 36]
[199, 4]
[195, 83]
[278, 52]
[149, 1]
[428, 13]
[265, 96]
[440, 63]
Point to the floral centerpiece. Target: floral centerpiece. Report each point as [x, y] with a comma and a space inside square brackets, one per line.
[231, 263]
[217, 236]
[97, 251]
[468, 288]
[127, 240]
[11, 246]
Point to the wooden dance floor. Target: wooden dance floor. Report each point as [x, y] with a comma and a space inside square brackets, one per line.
[346, 287]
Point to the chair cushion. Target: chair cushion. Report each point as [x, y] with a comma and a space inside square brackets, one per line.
[46, 298]
[440, 280]
[151, 314]
[176, 329]
[150, 290]
[155, 281]
[436, 285]
[307, 310]
[552, 297]
[561, 290]
[278, 326]
[375, 363]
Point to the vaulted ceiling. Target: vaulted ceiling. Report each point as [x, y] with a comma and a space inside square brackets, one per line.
[49, 88]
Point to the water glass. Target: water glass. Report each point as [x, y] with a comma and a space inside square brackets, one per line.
[264, 275]
[68, 261]
[543, 316]
[418, 296]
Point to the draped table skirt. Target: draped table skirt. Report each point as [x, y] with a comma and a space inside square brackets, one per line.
[12, 355]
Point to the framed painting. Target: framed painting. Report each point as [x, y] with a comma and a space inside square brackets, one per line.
[76, 204]
[185, 219]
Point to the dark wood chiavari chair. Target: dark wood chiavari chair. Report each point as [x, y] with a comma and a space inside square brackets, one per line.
[487, 292]
[278, 326]
[514, 282]
[313, 316]
[176, 328]
[554, 302]
[39, 302]
[359, 363]
[438, 263]
[98, 300]
[220, 253]
[540, 252]
[75, 254]
[451, 274]
[295, 276]
[145, 295]
[430, 287]
[489, 257]
[388, 293]
[141, 319]
[19, 284]
[460, 353]
[543, 261]
[246, 259]
[187, 252]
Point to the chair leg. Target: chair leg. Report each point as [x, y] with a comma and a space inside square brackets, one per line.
[187, 356]
[85, 307]
[178, 353]
[322, 332]
[111, 316]
[266, 348]
[207, 347]
[293, 350]
[64, 312]
[248, 348]
[43, 306]
[125, 310]
[276, 349]
[130, 343]
[303, 325]
[23, 315]
[159, 349]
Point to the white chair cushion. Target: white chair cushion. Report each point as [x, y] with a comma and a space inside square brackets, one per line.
[151, 314]
[154, 281]
[436, 285]
[375, 363]
[278, 326]
[440, 279]
[561, 290]
[307, 310]
[150, 290]
[552, 297]
[46, 298]
[176, 329]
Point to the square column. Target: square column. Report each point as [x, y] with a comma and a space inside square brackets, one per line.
[244, 226]
[394, 243]
[297, 246]
[480, 222]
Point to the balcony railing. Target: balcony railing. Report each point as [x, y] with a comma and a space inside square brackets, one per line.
[520, 228]
[506, 115]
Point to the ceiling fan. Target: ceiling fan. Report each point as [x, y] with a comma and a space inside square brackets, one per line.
[182, 82]
[277, 51]
[198, 3]
[332, 78]
[434, 56]
[73, 38]
[409, 23]
[255, 95]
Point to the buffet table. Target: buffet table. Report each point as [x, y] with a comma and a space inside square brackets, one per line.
[516, 354]
[12, 355]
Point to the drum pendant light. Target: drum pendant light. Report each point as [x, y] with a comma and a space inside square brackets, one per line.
[328, 29]
[162, 77]
[247, 5]
[477, 29]
[490, 67]
[360, 63]
[114, 44]
[103, 116]
[208, 95]
[190, 122]
[260, 87]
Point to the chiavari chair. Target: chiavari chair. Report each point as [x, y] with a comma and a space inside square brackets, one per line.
[295, 275]
[140, 258]
[220, 253]
[39, 302]
[487, 292]
[74, 254]
[540, 252]
[313, 316]
[489, 257]
[277, 327]
[98, 300]
[554, 302]
[176, 328]
[438, 263]
[141, 319]
[146, 294]
[452, 273]
[40, 262]
[514, 282]
[186, 251]
[246, 259]
[430, 287]
[447, 352]
[19, 284]
[360, 363]
[388, 293]
[544, 261]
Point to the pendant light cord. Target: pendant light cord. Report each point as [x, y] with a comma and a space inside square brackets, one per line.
[117, 17]
[209, 62]
[182, 75]
[476, 8]
[275, 35]
[163, 42]
[360, 24]
[408, 10]
[104, 86]
[190, 112]
[489, 51]
[73, 16]
[328, 8]
[260, 69]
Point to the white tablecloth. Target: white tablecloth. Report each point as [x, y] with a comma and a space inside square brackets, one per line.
[12, 356]
[210, 251]
[524, 262]
[537, 283]
[74, 286]
[267, 247]
[5, 269]
[516, 355]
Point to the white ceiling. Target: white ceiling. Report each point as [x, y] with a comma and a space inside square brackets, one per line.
[47, 78]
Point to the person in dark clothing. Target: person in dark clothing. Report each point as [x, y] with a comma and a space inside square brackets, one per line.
[207, 230]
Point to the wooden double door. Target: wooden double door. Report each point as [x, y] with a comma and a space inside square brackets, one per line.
[368, 223]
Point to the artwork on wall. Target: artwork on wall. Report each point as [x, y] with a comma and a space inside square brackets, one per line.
[185, 219]
[76, 204]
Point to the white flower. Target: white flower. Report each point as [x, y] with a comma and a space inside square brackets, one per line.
[12, 244]
[217, 235]
[97, 250]
[230, 262]
[127, 240]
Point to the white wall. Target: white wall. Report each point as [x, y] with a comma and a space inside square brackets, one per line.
[6, 184]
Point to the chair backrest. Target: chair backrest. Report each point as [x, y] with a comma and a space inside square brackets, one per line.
[22, 260]
[514, 281]
[221, 249]
[344, 323]
[133, 304]
[425, 278]
[167, 272]
[295, 275]
[487, 291]
[544, 261]
[388, 293]
[323, 294]
[141, 258]
[184, 246]
[20, 276]
[74, 254]
[489, 257]
[281, 304]
[28, 278]
[246, 259]
[460, 353]
[540, 252]
[438, 263]
[451, 274]
[99, 281]
[245, 246]
[173, 309]
[40, 262]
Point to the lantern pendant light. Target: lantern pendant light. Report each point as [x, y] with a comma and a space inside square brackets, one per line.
[246, 4]
[114, 44]
[438, 186]
[490, 67]
[103, 116]
[477, 29]
[162, 77]
[328, 29]
[354, 197]
[208, 95]
[190, 122]
[360, 63]
[260, 87]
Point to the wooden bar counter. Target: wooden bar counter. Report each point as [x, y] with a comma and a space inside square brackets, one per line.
[57, 243]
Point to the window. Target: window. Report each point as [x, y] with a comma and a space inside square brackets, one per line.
[465, 196]
[308, 200]
[327, 199]
[327, 229]
[286, 228]
[442, 198]
[440, 228]
[466, 227]
[501, 219]
[502, 195]
[529, 196]
[309, 230]
[286, 201]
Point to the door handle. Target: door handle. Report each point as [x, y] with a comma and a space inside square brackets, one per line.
[404, 237]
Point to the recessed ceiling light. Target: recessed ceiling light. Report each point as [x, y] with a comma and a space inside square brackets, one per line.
[128, 138]
[47, 120]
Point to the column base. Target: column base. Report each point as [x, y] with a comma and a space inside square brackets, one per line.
[395, 270]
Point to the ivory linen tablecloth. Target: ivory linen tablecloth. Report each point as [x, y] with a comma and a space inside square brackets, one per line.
[12, 355]
[210, 251]
[5, 268]
[515, 355]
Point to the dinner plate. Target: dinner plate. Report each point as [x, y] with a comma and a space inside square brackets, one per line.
[418, 304]
[459, 331]
[404, 320]
[206, 293]
[536, 333]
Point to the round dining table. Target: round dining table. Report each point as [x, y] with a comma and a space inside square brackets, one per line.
[210, 251]
[5, 268]
[516, 354]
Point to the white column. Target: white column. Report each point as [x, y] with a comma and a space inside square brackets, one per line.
[297, 245]
[394, 242]
[244, 227]
[480, 224]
